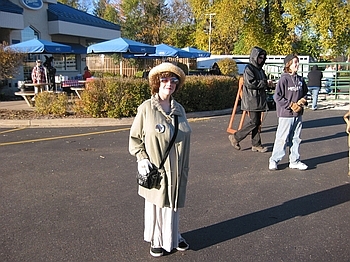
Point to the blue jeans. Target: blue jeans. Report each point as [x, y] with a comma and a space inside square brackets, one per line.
[314, 90]
[287, 134]
[329, 82]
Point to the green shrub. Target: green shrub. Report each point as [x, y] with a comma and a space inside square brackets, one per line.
[139, 74]
[113, 97]
[204, 93]
[116, 97]
[228, 67]
[47, 103]
[120, 97]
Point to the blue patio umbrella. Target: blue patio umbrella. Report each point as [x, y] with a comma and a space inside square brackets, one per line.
[197, 52]
[40, 46]
[163, 50]
[121, 45]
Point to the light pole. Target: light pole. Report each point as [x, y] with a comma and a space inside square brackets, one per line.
[210, 27]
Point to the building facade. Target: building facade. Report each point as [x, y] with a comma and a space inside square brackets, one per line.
[22, 20]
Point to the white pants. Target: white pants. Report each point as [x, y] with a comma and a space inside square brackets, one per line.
[162, 227]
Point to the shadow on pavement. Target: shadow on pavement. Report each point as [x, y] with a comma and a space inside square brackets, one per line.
[313, 162]
[211, 235]
[323, 122]
[324, 138]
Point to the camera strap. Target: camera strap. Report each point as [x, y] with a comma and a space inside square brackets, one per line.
[171, 142]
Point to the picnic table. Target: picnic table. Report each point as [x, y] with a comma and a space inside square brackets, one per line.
[74, 85]
[28, 95]
[78, 86]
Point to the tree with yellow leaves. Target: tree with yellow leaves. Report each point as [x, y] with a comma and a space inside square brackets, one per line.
[9, 62]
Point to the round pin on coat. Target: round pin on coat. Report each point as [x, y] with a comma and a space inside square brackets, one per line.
[160, 128]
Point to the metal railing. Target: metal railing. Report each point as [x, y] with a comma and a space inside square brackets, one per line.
[335, 81]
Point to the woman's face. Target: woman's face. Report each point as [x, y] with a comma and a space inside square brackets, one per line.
[295, 65]
[167, 85]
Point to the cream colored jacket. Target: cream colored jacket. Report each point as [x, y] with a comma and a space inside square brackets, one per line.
[150, 135]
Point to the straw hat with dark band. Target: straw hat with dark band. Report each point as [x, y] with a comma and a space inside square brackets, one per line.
[166, 67]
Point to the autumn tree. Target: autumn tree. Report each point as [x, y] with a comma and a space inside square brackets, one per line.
[71, 3]
[310, 27]
[144, 20]
[330, 24]
[158, 21]
[10, 61]
[82, 5]
[281, 27]
[180, 28]
[107, 10]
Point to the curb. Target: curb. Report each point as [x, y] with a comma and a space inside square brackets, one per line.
[90, 122]
[77, 122]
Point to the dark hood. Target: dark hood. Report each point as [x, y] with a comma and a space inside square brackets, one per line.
[314, 67]
[253, 59]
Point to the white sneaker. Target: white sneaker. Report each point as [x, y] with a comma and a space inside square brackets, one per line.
[272, 165]
[183, 246]
[298, 165]
[156, 251]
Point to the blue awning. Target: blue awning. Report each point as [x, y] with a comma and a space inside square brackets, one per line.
[9, 7]
[163, 50]
[76, 48]
[40, 46]
[121, 45]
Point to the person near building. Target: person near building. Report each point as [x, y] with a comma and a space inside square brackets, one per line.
[253, 100]
[314, 84]
[39, 76]
[150, 134]
[87, 73]
[290, 96]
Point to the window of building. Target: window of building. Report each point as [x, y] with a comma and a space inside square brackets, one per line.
[65, 62]
[29, 33]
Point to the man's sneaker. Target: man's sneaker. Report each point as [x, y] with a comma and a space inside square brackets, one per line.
[298, 165]
[182, 246]
[156, 251]
[260, 149]
[234, 142]
[272, 165]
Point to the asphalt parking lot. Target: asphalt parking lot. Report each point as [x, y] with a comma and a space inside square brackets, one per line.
[70, 194]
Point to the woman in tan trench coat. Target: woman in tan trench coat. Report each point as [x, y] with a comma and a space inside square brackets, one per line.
[150, 134]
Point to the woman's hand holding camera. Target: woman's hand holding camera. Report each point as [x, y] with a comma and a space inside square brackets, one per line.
[143, 166]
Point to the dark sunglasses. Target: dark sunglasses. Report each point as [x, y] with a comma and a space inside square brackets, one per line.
[173, 80]
[262, 57]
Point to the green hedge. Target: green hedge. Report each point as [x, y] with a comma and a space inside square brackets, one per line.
[119, 97]
[47, 103]
[116, 97]
[207, 93]
[113, 97]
